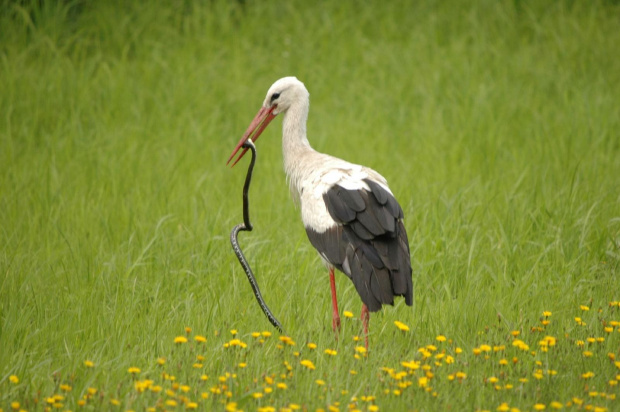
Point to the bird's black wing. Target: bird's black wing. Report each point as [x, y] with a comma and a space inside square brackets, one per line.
[369, 244]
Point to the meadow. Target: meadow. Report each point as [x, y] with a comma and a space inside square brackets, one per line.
[497, 124]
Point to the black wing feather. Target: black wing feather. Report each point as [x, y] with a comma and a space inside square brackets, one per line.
[369, 245]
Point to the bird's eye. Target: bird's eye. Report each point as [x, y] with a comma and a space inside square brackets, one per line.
[274, 96]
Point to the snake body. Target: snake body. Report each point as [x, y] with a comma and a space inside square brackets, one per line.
[247, 226]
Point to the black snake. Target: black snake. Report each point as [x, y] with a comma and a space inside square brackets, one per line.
[247, 226]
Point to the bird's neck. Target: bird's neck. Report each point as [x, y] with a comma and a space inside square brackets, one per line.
[295, 144]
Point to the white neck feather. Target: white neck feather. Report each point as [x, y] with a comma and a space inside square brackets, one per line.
[295, 145]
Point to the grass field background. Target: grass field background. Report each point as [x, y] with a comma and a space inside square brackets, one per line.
[497, 124]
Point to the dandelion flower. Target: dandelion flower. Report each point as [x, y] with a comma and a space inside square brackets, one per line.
[311, 345]
[133, 370]
[556, 405]
[401, 326]
[89, 364]
[347, 314]
[441, 338]
[14, 379]
[180, 339]
[257, 395]
[281, 385]
[308, 364]
[320, 382]
[331, 352]
[539, 407]
[65, 388]
[200, 339]
[584, 308]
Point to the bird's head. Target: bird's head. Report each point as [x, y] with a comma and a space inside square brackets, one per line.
[280, 97]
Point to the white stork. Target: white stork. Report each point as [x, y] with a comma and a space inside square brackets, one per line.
[350, 214]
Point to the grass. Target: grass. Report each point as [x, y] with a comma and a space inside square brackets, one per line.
[496, 124]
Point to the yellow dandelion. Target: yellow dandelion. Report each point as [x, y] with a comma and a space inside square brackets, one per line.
[180, 339]
[413, 365]
[320, 382]
[266, 334]
[14, 379]
[401, 326]
[584, 308]
[308, 364]
[171, 402]
[458, 350]
[200, 339]
[133, 370]
[331, 352]
[503, 407]
[360, 349]
[588, 354]
[65, 388]
[257, 395]
[191, 405]
[311, 345]
[540, 407]
[440, 338]
[89, 364]
[461, 375]
[348, 314]
[281, 385]
[373, 408]
[587, 375]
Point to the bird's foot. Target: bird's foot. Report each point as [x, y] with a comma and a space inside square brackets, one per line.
[336, 323]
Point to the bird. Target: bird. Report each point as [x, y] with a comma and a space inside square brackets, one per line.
[349, 213]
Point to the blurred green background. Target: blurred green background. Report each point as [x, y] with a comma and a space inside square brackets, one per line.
[495, 122]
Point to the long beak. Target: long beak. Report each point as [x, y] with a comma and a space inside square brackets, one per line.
[261, 121]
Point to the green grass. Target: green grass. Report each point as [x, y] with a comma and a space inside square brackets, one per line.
[496, 123]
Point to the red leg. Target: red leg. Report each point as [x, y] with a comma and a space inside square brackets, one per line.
[335, 315]
[365, 320]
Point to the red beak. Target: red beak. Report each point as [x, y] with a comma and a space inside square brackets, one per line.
[261, 121]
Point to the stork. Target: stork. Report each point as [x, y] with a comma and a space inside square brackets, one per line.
[350, 215]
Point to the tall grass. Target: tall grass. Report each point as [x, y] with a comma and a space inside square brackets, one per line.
[496, 124]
